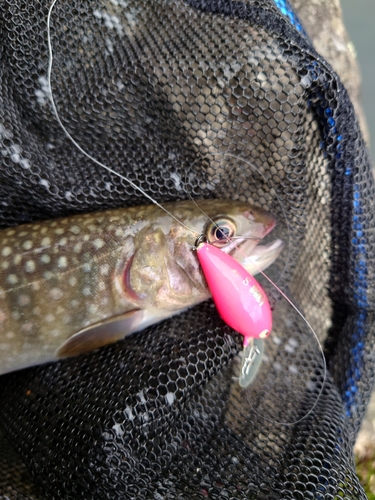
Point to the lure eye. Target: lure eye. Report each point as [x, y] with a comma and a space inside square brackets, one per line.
[220, 231]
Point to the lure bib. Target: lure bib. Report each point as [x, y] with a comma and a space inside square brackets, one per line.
[239, 299]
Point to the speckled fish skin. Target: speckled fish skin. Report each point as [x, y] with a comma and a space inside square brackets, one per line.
[59, 277]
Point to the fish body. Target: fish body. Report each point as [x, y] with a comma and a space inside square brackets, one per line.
[62, 281]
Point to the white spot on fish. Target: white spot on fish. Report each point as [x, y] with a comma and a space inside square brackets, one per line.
[78, 247]
[16, 315]
[170, 397]
[50, 318]
[35, 285]
[73, 281]
[10, 232]
[23, 300]
[93, 308]
[66, 319]
[46, 259]
[101, 286]
[17, 259]
[37, 311]
[6, 251]
[23, 233]
[56, 293]
[30, 266]
[5, 264]
[104, 269]
[98, 243]
[48, 275]
[55, 333]
[276, 340]
[59, 230]
[12, 279]
[86, 291]
[10, 335]
[75, 229]
[86, 268]
[62, 262]
[27, 245]
[27, 327]
[74, 303]
[63, 242]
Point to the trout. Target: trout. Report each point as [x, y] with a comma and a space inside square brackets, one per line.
[65, 284]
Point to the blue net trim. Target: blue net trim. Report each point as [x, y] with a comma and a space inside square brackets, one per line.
[287, 11]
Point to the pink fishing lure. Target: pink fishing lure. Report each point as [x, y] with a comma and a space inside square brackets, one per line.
[239, 298]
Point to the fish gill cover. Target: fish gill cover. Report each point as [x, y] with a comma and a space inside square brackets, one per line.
[232, 97]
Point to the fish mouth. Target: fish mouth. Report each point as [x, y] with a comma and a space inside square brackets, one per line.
[246, 249]
[261, 256]
[244, 244]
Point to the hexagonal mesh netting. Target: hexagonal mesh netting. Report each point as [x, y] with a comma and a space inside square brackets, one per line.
[212, 99]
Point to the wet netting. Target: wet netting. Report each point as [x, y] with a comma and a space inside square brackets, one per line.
[208, 99]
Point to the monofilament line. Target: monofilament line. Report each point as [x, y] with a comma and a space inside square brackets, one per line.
[146, 195]
[131, 183]
[316, 338]
[229, 240]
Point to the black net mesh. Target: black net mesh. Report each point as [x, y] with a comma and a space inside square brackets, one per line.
[216, 99]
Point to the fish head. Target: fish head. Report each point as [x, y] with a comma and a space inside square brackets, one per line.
[237, 228]
[163, 270]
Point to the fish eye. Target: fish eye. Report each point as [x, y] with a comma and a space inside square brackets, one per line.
[220, 231]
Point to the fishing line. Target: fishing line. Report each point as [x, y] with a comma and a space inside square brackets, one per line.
[310, 328]
[320, 349]
[98, 162]
[126, 179]
[240, 251]
[254, 168]
[146, 195]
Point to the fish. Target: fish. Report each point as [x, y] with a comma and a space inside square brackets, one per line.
[75, 284]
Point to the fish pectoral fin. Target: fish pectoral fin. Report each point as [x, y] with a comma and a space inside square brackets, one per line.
[102, 334]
